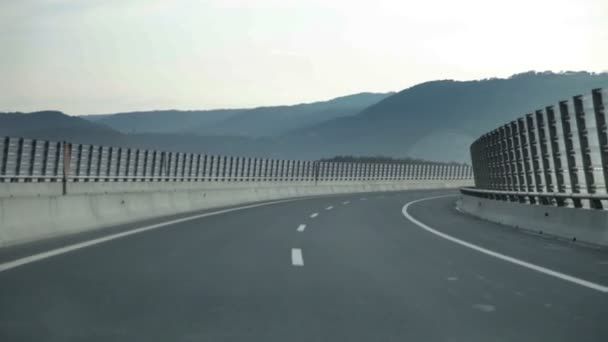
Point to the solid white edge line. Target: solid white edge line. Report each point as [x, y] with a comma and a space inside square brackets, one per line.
[313, 215]
[44, 255]
[301, 227]
[296, 257]
[497, 255]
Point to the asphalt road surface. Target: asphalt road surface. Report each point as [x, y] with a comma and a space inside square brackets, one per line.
[342, 268]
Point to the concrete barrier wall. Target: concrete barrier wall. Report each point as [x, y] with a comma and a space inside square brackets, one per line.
[35, 211]
[585, 225]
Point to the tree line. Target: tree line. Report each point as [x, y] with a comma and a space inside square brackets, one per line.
[385, 160]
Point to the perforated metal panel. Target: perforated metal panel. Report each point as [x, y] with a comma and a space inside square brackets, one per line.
[152, 164]
[267, 169]
[254, 169]
[79, 160]
[213, 169]
[129, 162]
[246, 169]
[204, 167]
[37, 158]
[590, 144]
[12, 156]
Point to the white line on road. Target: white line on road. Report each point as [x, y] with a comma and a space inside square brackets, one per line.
[44, 255]
[497, 255]
[329, 208]
[345, 202]
[296, 257]
[313, 215]
[362, 198]
[301, 227]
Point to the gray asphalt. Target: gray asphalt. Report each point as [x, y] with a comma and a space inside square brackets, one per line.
[369, 274]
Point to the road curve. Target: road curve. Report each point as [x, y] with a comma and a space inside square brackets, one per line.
[358, 270]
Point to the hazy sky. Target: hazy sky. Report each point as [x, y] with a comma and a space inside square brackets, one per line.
[100, 56]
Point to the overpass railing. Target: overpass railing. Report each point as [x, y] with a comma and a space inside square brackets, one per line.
[556, 155]
[31, 160]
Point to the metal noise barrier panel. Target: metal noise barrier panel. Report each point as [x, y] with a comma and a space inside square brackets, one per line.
[556, 155]
[31, 160]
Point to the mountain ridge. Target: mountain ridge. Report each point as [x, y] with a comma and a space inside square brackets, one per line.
[413, 121]
[263, 121]
[435, 120]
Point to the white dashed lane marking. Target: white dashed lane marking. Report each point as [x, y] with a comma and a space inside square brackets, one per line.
[80, 245]
[296, 257]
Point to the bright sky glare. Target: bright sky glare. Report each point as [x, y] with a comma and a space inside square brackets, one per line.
[103, 56]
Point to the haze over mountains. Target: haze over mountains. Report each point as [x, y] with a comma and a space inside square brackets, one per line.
[434, 120]
[256, 122]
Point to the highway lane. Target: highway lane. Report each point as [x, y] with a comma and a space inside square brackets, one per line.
[366, 274]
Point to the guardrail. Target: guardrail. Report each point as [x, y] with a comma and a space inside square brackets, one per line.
[30, 160]
[542, 198]
[557, 155]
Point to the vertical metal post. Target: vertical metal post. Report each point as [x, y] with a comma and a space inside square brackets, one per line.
[153, 165]
[560, 164]
[573, 148]
[213, 168]
[19, 157]
[600, 100]
[253, 173]
[3, 155]
[205, 170]
[45, 160]
[67, 149]
[590, 146]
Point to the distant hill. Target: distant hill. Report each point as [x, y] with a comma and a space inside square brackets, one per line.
[22, 122]
[438, 120]
[255, 122]
[57, 126]
[275, 121]
[54, 125]
[161, 121]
